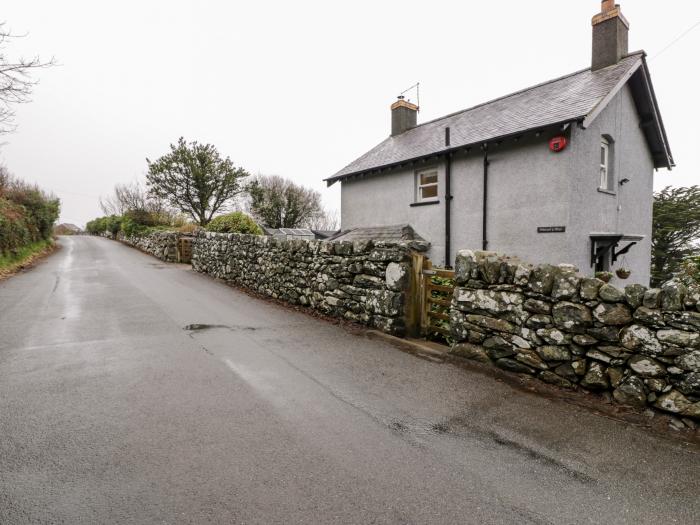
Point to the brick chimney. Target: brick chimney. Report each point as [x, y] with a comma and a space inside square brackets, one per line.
[404, 116]
[610, 35]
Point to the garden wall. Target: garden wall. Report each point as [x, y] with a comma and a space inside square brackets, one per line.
[361, 281]
[159, 244]
[639, 345]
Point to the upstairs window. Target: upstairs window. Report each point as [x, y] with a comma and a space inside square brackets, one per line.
[606, 156]
[426, 185]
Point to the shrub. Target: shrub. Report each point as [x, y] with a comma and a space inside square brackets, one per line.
[189, 227]
[14, 230]
[236, 222]
[130, 227]
[27, 214]
[141, 217]
[689, 273]
[111, 224]
[41, 210]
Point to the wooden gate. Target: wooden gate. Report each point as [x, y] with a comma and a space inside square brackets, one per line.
[184, 250]
[432, 290]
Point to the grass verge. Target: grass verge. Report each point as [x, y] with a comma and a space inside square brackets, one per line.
[25, 257]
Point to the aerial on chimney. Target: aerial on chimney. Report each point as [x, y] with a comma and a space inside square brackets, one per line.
[610, 36]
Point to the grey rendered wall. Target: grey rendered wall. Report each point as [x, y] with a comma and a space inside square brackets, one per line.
[528, 185]
[386, 199]
[629, 209]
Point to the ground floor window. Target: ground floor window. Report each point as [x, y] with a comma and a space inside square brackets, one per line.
[426, 185]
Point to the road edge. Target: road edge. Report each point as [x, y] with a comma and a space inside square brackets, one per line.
[30, 262]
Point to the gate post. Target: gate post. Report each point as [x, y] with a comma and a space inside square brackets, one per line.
[414, 296]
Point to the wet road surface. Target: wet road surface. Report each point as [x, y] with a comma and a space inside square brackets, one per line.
[132, 391]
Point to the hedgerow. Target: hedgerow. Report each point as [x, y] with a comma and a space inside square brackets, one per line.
[27, 215]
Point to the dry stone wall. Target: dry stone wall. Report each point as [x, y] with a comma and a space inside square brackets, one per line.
[361, 281]
[162, 245]
[640, 346]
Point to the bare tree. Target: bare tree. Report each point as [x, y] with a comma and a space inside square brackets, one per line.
[126, 197]
[5, 179]
[277, 202]
[326, 220]
[16, 84]
[135, 197]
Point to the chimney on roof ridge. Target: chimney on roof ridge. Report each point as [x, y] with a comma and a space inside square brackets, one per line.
[404, 116]
[610, 36]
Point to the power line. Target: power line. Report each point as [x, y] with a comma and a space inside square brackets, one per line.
[674, 41]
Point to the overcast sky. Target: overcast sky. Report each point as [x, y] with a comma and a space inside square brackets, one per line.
[299, 88]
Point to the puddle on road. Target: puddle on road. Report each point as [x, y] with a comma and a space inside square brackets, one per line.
[196, 327]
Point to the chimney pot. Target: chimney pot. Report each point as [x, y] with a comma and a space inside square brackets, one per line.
[608, 5]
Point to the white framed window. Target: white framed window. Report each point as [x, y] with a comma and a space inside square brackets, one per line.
[606, 175]
[604, 163]
[427, 185]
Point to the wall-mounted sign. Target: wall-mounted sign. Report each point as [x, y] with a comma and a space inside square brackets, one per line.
[551, 229]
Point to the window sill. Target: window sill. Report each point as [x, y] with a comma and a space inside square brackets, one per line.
[607, 192]
[423, 203]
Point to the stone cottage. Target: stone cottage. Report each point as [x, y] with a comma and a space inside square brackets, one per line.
[561, 172]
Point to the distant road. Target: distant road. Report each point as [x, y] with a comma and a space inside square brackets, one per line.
[111, 411]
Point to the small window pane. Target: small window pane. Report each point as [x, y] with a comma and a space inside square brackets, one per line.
[429, 192]
[602, 156]
[428, 178]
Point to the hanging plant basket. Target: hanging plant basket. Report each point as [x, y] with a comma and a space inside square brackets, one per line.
[604, 276]
[623, 273]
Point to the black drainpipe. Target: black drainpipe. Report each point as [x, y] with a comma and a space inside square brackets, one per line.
[448, 200]
[485, 242]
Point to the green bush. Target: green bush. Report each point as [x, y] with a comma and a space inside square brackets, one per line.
[236, 222]
[131, 227]
[27, 215]
[41, 210]
[689, 272]
[111, 224]
[14, 229]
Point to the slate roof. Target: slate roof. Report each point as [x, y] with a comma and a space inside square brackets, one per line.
[393, 233]
[325, 234]
[566, 99]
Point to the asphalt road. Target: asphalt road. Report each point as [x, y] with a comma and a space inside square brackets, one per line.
[113, 411]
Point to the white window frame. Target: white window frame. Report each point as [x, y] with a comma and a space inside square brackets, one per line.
[604, 182]
[419, 186]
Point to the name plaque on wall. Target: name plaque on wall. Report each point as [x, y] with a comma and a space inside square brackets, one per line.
[551, 229]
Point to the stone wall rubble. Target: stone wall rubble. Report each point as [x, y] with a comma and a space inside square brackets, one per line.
[162, 245]
[639, 346]
[362, 281]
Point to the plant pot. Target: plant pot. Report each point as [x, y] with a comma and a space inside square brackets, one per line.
[604, 276]
[623, 273]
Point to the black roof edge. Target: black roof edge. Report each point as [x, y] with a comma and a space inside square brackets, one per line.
[657, 115]
[441, 153]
